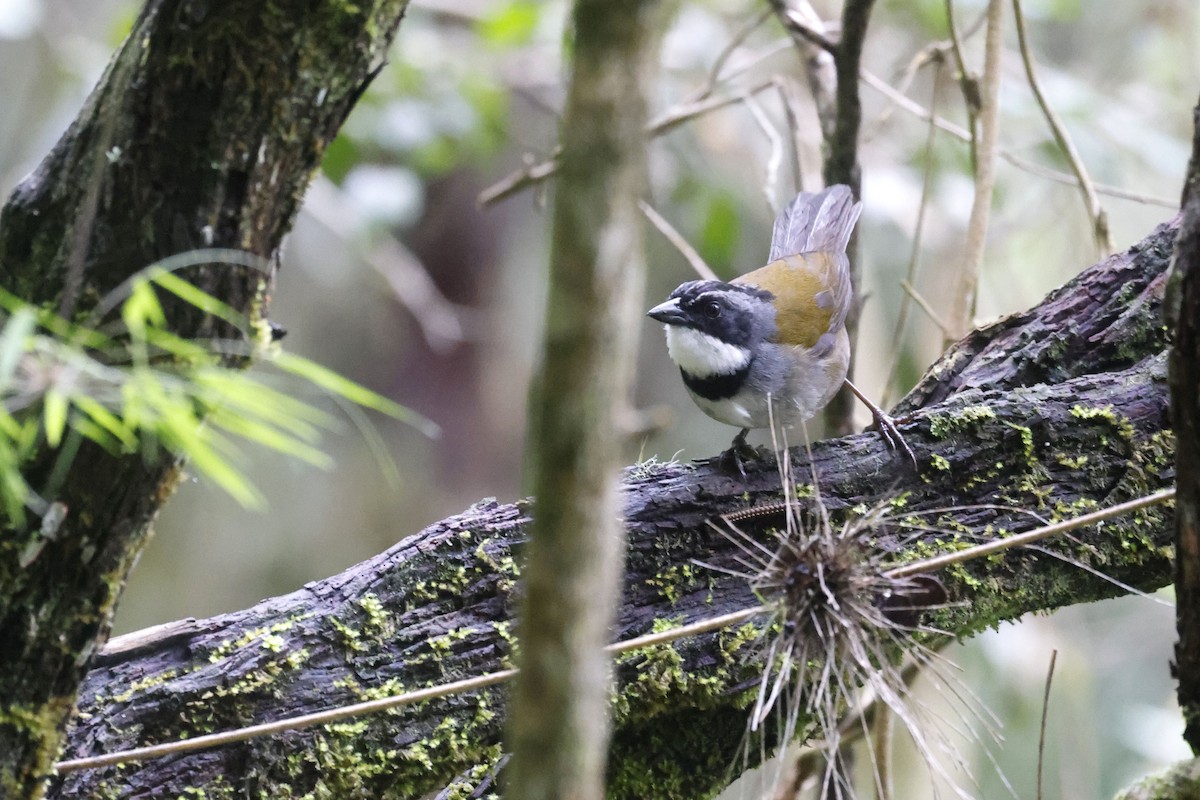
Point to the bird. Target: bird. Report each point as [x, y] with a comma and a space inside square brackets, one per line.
[770, 347]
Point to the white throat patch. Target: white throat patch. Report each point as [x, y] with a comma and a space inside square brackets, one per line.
[702, 355]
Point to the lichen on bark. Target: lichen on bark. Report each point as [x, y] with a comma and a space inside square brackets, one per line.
[1079, 434]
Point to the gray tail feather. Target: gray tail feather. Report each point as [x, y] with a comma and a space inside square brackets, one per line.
[815, 222]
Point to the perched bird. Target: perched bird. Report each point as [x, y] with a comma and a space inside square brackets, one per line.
[771, 346]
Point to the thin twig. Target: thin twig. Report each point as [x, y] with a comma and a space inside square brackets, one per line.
[865, 713]
[685, 112]
[920, 300]
[820, 71]
[1091, 202]
[842, 166]
[739, 36]
[519, 180]
[934, 53]
[998, 545]
[676, 238]
[805, 26]
[793, 22]
[700, 103]
[775, 159]
[914, 254]
[1045, 713]
[881, 746]
[440, 320]
[787, 99]
[139, 754]
[536, 173]
[966, 283]
[959, 132]
[968, 84]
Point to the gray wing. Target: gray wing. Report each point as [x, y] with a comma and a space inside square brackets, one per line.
[815, 222]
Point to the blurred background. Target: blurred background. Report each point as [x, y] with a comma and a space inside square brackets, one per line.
[398, 278]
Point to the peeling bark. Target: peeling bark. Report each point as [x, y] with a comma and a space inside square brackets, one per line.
[1062, 409]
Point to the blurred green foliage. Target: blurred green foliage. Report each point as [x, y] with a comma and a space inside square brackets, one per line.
[136, 387]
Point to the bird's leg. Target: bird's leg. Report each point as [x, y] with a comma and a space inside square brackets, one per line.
[733, 459]
[886, 425]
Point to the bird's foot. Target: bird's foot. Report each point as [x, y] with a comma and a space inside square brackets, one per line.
[733, 460]
[886, 425]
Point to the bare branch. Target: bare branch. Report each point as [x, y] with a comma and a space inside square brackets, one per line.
[962, 300]
[910, 292]
[1091, 202]
[677, 239]
[958, 132]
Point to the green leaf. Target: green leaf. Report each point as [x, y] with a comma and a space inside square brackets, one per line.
[9, 427]
[14, 343]
[721, 232]
[142, 309]
[331, 382]
[222, 387]
[197, 297]
[179, 347]
[511, 24]
[84, 337]
[13, 489]
[341, 156]
[54, 415]
[264, 434]
[183, 435]
[107, 420]
[88, 429]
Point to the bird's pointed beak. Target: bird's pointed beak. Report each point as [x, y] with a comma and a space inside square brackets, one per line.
[668, 313]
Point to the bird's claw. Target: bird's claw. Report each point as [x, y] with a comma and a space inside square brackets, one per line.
[886, 425]
[733, 460]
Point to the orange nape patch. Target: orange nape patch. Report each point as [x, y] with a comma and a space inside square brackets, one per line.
[807, 291]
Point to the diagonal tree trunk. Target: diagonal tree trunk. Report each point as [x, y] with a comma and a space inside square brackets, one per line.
[203, 132]
[1061, 409]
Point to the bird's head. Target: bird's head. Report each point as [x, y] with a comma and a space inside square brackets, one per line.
[714, 328]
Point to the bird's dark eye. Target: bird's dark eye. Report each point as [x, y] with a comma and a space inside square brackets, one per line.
[712, 309]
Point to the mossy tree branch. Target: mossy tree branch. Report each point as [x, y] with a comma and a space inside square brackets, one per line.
[204, 131]
[1059, 410]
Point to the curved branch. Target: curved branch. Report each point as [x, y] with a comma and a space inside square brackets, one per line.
[1015, 427]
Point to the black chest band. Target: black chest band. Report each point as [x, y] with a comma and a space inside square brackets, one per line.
[717, 387]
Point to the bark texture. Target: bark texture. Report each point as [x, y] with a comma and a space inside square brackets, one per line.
[203, 132]
[1184, 314]
[1060, 410]
[558, 729]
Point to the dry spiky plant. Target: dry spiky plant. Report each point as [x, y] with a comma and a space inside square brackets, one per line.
[842, 632]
